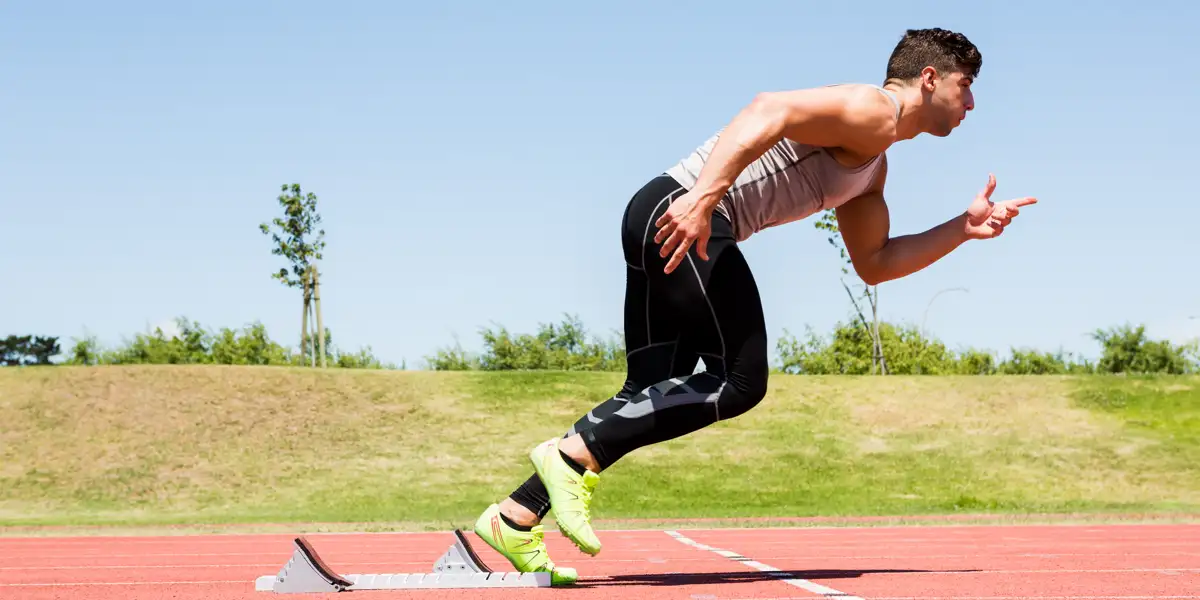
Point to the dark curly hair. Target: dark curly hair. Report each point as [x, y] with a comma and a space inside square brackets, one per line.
[943, 50]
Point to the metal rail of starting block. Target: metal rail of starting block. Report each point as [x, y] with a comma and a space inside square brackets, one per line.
[458, 567]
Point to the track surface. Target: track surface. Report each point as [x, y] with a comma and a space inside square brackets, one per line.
[1095, 562]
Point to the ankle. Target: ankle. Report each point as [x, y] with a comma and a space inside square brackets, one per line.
[578, 451]
[518, 514]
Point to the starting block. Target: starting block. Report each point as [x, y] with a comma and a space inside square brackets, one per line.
[459, 567]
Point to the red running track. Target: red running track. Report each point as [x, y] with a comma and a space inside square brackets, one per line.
[1110, 562]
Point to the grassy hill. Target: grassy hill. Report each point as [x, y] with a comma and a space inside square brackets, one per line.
[143, 445]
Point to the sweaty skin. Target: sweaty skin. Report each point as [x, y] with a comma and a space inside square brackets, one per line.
[857, 123]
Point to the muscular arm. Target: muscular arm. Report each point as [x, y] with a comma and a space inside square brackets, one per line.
[864, 224]
[856, 118]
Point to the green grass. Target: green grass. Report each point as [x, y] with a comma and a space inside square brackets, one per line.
[157, 445]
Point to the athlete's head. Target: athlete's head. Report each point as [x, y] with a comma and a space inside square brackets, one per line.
[942, 65]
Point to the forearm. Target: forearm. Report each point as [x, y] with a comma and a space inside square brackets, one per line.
[907, 254]
[748, 136]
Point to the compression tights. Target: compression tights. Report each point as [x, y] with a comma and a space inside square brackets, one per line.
[708, 310]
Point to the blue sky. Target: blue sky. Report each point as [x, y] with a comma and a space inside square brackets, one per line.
[473, 159]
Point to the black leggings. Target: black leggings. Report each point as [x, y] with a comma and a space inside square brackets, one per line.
[708, 310]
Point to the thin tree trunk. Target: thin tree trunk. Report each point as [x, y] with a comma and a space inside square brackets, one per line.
[312, 339]
[858, 310]
[320, 322]
[304, 320]
[874, 295]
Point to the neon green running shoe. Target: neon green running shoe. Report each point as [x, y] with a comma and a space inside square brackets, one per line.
[524, 549]
[570, 494]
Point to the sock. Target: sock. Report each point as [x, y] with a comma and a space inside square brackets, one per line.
[509, 522]
[533, 495]
[574, 465]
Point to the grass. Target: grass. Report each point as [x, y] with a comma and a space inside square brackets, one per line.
[151, 446]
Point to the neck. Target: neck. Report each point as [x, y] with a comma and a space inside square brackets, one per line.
[912, 115]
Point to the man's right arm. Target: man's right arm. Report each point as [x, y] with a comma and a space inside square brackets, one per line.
[856, 118]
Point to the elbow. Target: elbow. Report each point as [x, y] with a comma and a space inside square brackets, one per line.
[870, 274]
[871, 279]
[768, 113]
[762, 102]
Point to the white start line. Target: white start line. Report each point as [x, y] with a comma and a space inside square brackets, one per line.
[783, 576]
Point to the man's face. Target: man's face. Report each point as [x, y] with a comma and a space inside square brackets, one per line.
[950, 97]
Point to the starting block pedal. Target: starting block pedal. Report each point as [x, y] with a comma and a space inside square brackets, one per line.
[458, 567]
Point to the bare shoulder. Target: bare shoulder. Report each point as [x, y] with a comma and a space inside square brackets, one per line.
[870, 110]
[859, 118]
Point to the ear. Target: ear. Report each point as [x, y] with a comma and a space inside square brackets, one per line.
[929, 79]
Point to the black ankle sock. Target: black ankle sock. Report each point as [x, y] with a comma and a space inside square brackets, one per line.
[509, 522]
[533, 496]
[574, 465]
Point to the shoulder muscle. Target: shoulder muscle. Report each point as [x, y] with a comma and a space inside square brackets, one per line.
[855, 117]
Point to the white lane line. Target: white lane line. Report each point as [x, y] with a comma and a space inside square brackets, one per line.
[784, 576]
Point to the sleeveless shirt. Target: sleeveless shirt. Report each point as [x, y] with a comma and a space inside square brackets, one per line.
[789, 182]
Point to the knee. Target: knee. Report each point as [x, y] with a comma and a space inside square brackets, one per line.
[746, 389]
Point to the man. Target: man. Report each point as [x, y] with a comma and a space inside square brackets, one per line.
[690, 293]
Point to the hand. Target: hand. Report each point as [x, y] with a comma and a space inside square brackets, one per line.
[687, 220]
[987, 219]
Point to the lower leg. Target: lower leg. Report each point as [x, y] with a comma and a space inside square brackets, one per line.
[529, 503]
[534, 500]
[517, 515]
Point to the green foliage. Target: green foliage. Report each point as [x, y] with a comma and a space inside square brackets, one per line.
[18, 350]
[828, 222]
[251, 345]
[1026, 361]
[879, 356]
[86, 351]
[1128, 350]
[564, 346]
[292, 231]
[848, 351]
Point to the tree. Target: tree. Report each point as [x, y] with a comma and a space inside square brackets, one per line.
[292, 241]
[828, 222]
[28, 350]
[1127, 349]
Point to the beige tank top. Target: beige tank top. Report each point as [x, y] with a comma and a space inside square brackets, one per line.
[789, 182]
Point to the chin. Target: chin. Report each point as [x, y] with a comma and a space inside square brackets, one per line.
[948, 130]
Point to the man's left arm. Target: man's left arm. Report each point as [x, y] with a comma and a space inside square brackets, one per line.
[877, 257]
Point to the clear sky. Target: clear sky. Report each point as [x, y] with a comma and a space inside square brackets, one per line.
[473, 159]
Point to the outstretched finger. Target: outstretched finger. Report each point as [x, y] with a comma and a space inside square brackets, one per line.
[1026, 201]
